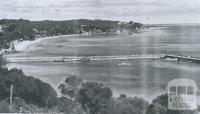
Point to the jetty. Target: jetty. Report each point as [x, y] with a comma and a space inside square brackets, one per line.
[177, 58]
[182, 58]
[81, 58]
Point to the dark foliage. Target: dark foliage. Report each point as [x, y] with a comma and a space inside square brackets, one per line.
[32, 90]
[68, 106]
[94, 97]
[159, 105]
[71, 86]
[129, 105]
[162, 100]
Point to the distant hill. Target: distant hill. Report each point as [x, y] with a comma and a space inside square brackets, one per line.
[21, 29]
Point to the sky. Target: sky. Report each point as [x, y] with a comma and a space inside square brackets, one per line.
[145, 11]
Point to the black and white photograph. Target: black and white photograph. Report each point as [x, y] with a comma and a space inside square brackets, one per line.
[100, 56]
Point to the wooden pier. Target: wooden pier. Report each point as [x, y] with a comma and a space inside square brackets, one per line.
[182, 58]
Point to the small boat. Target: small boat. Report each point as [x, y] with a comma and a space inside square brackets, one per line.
[124, 64]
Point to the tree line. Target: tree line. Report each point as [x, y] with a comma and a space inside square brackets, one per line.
[95, 98]
[29, 30]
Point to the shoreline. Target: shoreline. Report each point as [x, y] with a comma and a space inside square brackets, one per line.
[23, 45]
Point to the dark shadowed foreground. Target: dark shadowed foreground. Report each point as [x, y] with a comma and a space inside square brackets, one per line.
[78, 97]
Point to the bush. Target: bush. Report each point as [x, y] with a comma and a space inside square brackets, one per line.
[94, 97]
[159, 105]
[68, 106]
[4, 107]
[129, 105]
[71, 86]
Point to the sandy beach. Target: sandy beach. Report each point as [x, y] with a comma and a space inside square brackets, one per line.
[23, 45]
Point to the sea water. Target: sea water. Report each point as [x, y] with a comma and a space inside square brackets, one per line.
[145, 78]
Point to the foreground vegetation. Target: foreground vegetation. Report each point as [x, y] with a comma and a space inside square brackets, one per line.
[78, 97]
[27, 91]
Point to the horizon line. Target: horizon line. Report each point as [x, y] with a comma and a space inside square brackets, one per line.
[176, 23]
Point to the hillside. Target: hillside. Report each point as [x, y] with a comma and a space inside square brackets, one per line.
[11, 30]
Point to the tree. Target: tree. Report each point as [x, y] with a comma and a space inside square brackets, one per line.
[71, 86]
[162, 100]
[68, 106]
[94, 97]
[159, 105]
[129, 105]
[4, 107]
[2, 60]
[32, 90]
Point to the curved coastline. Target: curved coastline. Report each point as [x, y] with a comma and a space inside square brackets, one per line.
[23, 45]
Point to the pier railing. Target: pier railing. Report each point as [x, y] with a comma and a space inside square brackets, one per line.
[82, 58]
[182, 58]
[100, 58]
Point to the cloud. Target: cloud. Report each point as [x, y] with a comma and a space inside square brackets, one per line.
[105, 9]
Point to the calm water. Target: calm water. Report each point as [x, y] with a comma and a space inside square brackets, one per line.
[146, 78]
